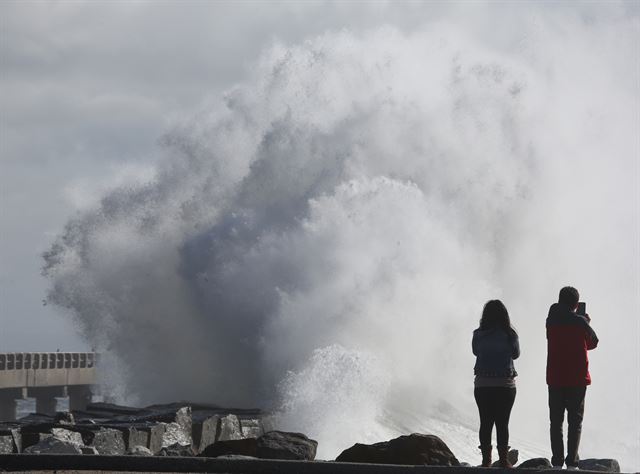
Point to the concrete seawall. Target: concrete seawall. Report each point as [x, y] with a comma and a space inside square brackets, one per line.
[88, 463]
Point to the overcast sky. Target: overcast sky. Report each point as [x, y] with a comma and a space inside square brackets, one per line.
[88, 88]
[86, 91]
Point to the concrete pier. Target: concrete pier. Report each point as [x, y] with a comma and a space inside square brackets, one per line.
[79, 396]
[45, 376]
[8, 402]
[46, 398]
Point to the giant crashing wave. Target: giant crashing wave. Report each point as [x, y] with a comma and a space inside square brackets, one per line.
[321, 241]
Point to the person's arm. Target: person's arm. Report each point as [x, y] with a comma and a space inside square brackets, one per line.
[590, 335]
[515, 346]
[474, 344]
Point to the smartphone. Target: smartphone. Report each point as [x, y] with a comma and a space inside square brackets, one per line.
[582, 308]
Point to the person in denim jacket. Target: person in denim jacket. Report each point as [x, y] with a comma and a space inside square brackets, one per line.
[495, 344]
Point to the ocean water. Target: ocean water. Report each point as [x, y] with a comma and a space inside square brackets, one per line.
[28, 405]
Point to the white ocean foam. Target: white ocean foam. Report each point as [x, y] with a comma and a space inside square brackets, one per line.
[323, 241]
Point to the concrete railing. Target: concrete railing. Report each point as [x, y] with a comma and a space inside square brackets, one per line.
[44, 376]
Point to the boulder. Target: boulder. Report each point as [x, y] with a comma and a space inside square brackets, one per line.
[156, 433]
[204, 431]
[229, 428]
[512, 456]
[251, 428]
[34, 434]
[602, 465]
[176, 420]
[10, 440]
[6, 444]
[139, 451]
[108, 441]
[409, 450]
[283, 445]
[17, 439]
[66, 435]
[268, 424]
[51, 445]
[178, 415]
[132, 434]
[176, 450]
[536, 463]
[147, 434]
[174, 434]
[241, 447]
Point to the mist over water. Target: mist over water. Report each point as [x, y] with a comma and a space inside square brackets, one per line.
[323, 239]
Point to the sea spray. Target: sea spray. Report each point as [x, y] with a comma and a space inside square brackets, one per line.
[349, 208]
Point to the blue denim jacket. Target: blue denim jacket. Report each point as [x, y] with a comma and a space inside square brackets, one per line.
[495, 351]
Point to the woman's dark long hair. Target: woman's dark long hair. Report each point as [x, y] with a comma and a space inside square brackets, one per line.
[495, 315]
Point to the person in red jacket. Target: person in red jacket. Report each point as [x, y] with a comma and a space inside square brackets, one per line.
[569, 337]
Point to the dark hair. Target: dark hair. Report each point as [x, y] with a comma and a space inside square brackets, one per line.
[495, 315]
[569, 296]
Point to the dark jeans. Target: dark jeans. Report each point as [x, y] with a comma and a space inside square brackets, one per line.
[570, 399]
[494, 405]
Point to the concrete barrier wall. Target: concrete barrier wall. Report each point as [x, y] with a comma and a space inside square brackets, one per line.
[46, 369]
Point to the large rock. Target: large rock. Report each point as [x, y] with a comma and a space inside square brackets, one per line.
[51, 445]
[34, 434]
[603, 465]
[108, 441]
[174, 434]
[204, 431]
[176, 419]
[230, 428]
[66, 435]
[536, 463]
[176, 450]
[411, 450]
[251, 428]
[10, 440]
[133, 434]
[6, 444]
[283, 445]
[156, 433]
[240, 447]
[147, 434]
[268, 423]
[139, 451]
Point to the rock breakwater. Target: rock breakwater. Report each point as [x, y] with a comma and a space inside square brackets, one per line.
[189, 430]
[182, 429]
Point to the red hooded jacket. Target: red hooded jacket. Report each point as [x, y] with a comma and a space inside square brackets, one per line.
[569, 337]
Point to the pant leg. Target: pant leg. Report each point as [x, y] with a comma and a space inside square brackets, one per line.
[556, 418]
[505, 396]
[484, 400]
[575, 414]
